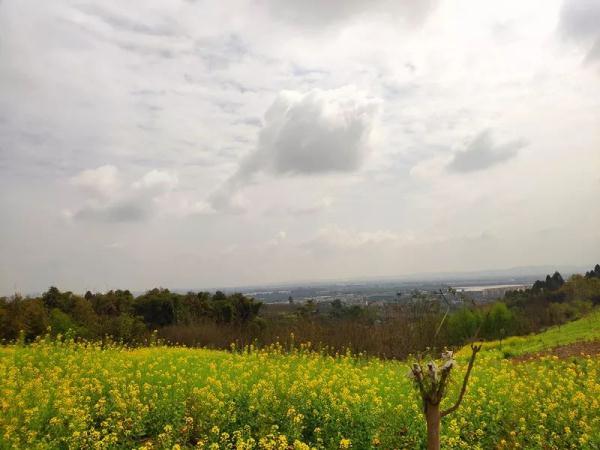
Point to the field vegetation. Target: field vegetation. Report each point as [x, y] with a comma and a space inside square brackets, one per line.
[63, 385]
[57, 393]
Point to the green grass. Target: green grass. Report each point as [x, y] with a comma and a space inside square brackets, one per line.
[584, 329]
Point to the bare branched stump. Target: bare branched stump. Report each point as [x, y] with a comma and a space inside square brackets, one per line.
[432, 382]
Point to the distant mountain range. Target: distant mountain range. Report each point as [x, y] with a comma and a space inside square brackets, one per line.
[389, 287]
[518, 274]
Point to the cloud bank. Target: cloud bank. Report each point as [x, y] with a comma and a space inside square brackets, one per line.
[164, 102]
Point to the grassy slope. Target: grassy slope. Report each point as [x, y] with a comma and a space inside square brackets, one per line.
[584, 329]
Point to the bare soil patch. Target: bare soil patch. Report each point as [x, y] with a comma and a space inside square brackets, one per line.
[564, 351]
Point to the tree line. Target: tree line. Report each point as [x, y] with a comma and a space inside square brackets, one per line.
[422, 320]
[118, 314]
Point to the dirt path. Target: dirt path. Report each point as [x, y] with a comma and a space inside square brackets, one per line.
[564, 351]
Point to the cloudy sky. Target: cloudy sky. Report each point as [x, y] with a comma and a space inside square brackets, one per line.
[196, 144]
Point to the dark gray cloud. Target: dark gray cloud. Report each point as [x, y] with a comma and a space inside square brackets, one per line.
[120, 22]
[580, 18]
[317, 132]
[220, 53]
[313, 133]
[482, 153]
[319, 14]
[130, 211]
[594, 53]
[580, 21]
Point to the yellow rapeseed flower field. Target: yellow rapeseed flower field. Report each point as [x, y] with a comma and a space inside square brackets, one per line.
[67, 395]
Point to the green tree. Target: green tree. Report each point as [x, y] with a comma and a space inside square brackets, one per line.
[156, 307]
[61, 323]
[35, 318]
[498, 322]
[594, 273]
[462, 324]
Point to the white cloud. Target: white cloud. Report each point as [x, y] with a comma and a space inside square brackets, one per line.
[180, 204]
[278, 240]
[156, 181]
[301, 206]
[113, 200]
[429, 169]
[102, 181]
[338, 238]
[321, 204]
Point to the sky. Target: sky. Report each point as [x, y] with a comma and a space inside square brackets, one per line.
[195, 144]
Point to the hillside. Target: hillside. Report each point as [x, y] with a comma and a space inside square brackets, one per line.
[69, 395]
[582, 330]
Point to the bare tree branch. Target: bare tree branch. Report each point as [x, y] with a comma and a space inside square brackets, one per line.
[443, 318]
[474, 350]
[442, 385]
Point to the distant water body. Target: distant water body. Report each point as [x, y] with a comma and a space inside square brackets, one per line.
[491, 286]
